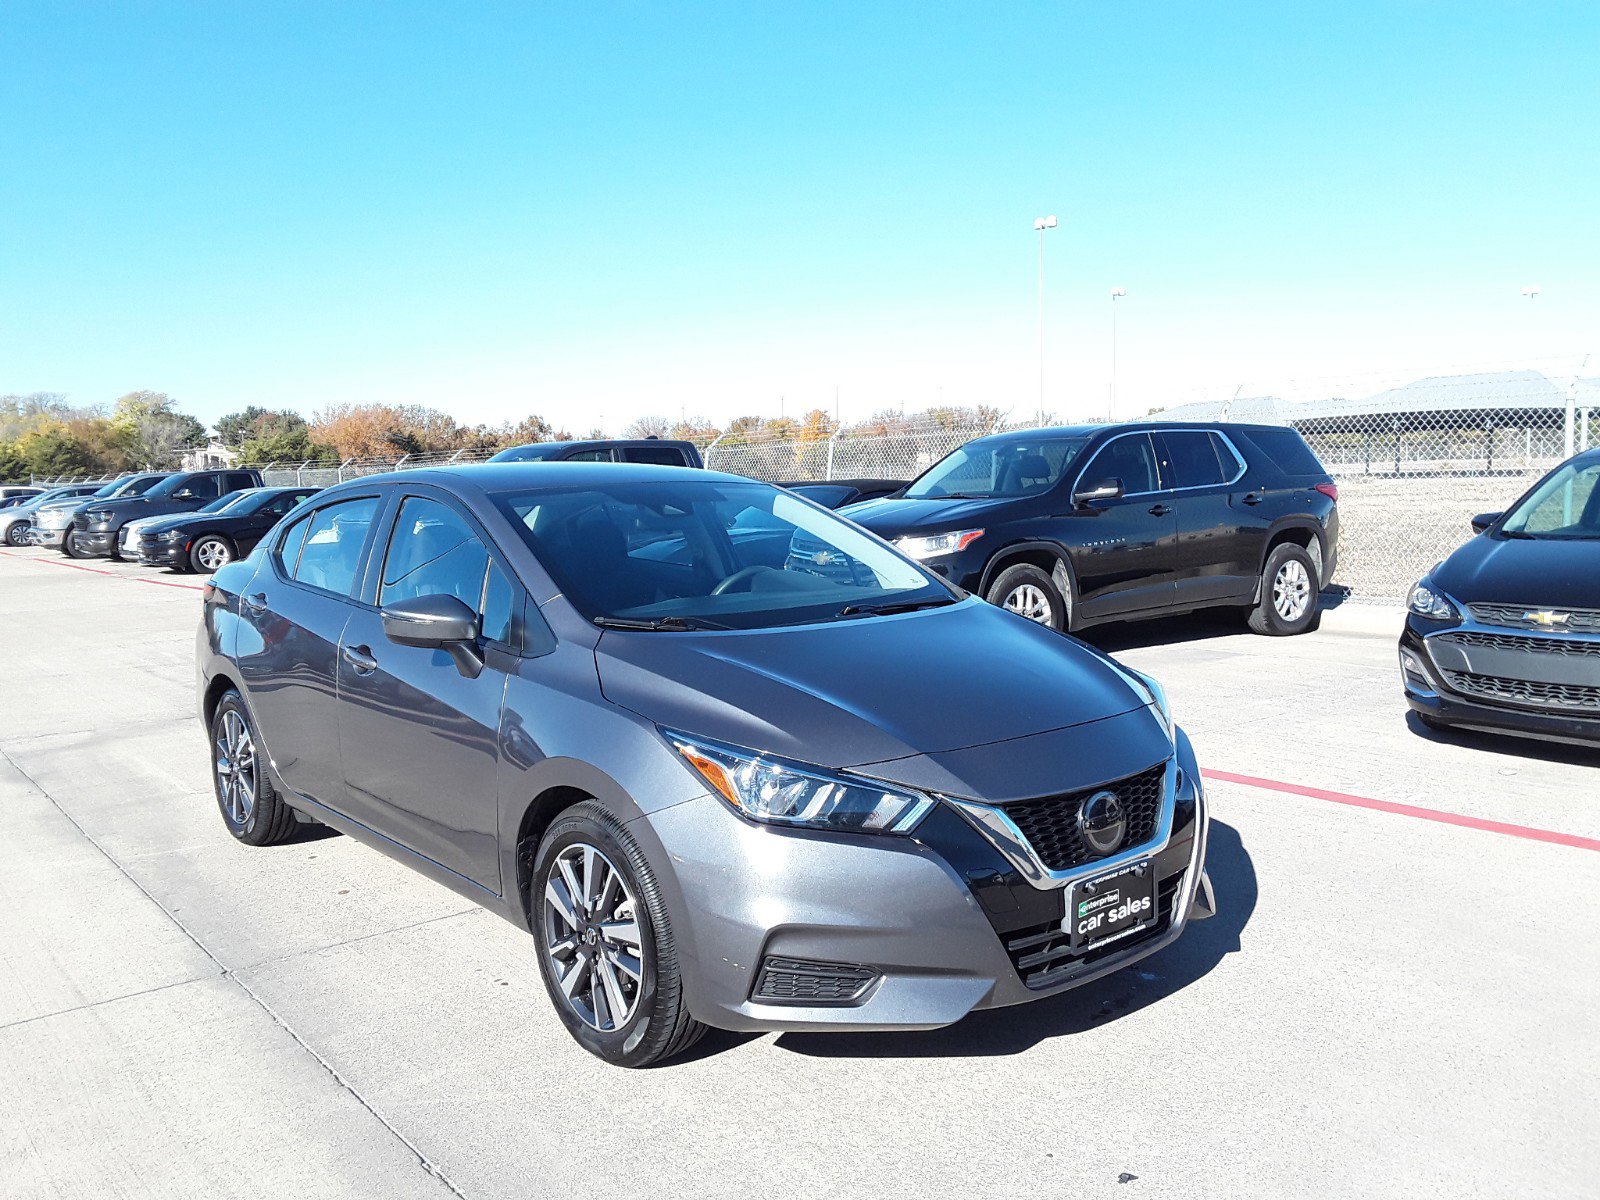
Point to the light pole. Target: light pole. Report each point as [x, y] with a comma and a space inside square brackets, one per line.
[1041, 224]
[1117, 293]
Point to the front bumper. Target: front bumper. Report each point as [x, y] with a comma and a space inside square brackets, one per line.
[96, 543]
[1428, 691]
[160, 554]
[941, 920]
[50, 538]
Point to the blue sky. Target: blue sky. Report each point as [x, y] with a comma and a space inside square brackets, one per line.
[593, 211]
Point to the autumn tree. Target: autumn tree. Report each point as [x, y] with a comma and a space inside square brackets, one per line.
[648, 427]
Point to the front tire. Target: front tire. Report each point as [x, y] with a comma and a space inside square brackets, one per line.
[605, 943]
[1029, 592]
[17, 535]
[1288, 603]
[210, 553]
[70, 547]
[251, 808]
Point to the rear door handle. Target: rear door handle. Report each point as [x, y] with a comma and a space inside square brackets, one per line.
[1160, 510]
[256, 603]
[360, 657]
[1253, 498]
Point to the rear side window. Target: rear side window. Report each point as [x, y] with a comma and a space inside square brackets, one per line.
[661, 456]
[1131, 459]
[1192, 456]
[203, 486]
[239, 480]
[331, 552]
[1286, 450]
[589, 456]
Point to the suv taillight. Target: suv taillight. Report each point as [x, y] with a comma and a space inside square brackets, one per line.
[1330, 490]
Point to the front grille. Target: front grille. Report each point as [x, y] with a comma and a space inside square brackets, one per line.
[1531, 645]
[1579, 620]
[798, 981]
[1051, 823]
[1567, 697]
[1043, 953]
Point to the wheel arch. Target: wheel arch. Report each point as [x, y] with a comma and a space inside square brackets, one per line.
[1298, 531]
[1050, 557]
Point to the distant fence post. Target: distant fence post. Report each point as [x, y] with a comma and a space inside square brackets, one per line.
[714, 442]
[832, 442]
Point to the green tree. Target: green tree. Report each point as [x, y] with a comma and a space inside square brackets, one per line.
[156, 431]
[55, 451]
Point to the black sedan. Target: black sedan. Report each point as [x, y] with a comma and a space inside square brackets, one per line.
[1504, 635]
[204, 541]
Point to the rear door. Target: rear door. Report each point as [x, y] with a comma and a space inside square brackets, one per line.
[1220, 533]
[421, 741]
[1123, 550]
[294, 613]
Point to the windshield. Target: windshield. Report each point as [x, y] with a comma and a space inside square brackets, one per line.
[718, 555]
[138, 485]
[990, 467]
[1565, 505]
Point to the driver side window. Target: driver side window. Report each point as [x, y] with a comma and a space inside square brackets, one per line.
[1130, 458]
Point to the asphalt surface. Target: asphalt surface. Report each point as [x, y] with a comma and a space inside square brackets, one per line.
[1386, 1005]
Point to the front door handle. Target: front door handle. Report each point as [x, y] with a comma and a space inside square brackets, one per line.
[360, 657]
[1160, 510]
[1253, 498]
[256, 603]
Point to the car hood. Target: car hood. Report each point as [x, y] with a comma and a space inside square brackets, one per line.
[890, 519]
[870, 690]
[1497, 570]
[161, 523]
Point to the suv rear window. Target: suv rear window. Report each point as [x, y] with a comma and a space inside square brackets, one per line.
[1287, 451]
[662, 456]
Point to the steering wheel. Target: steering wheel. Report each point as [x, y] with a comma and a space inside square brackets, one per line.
[738, 577]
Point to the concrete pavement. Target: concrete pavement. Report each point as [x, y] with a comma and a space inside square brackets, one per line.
[1384, 1006]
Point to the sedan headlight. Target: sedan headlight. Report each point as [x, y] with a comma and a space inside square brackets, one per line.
[1429, 601]
[779, 792]
[1155, 698]
[936, 544]
[172, 535]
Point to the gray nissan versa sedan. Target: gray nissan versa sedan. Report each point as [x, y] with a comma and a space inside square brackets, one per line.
[730, 759]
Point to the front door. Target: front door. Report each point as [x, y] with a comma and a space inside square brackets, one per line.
[293, 616]
[421, 741]
[1123, 550]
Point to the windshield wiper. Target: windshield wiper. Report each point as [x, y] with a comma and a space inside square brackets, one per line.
[956, 496]
[659, 624]
[883, 610]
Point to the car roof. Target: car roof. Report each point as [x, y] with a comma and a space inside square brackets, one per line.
[509, 476]
[1090, 430]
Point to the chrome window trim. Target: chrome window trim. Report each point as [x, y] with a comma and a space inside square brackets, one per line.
[1240, 474]
[1244, 465]
[1084, 470]
[1002, 832]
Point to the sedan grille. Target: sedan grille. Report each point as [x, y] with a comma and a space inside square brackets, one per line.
[1579, 620]
[1566, 697]
[1051, 823]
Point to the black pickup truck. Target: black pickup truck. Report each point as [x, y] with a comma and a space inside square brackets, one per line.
[96, 527]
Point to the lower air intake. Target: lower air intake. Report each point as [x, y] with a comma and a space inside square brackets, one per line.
[798, 981]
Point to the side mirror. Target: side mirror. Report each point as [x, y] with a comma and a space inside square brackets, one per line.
[436, 623]
[1483, 520]
[1100, 489]
[185, 494]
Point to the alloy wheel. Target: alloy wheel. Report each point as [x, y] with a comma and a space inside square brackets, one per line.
[213, 553]
[1029, 601]
[591, 937]
[236, 769]
[1291, 590]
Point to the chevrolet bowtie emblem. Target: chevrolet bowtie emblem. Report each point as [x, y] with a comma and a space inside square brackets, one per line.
[1546, 617]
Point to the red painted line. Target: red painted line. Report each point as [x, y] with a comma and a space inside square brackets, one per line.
[1411, 810]
[51, 562]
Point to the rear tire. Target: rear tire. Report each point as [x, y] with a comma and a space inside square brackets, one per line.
[1289, 586]
[593, 947]
[251, 808]
[1029, 592]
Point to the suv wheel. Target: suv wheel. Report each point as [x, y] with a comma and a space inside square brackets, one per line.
[605, 944]
[251, 808]
[1288, 603]
[210, 553]
[1029, 592]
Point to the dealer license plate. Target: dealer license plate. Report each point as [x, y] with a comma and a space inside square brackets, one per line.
[1111, 905]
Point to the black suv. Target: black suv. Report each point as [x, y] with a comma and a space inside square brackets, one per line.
[96, 528]
[661, 452]
[1088, 523]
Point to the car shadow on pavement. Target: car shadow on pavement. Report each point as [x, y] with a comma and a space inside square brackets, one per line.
[996, 1032]
[1116, 636]
[1494, 743]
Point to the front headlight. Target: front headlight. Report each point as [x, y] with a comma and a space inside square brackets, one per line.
[1156, 699]
[937, 544]
[172, 535]
[780, 792]
[97, 515]
[1428, 601]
